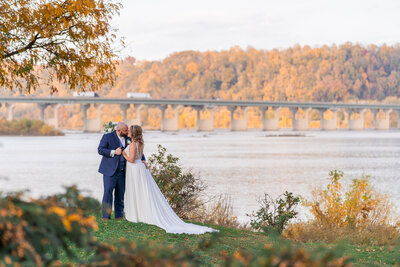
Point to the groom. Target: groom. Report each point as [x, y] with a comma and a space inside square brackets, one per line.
[113, 166]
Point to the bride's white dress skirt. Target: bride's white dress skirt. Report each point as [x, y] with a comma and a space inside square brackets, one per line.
[145, 203]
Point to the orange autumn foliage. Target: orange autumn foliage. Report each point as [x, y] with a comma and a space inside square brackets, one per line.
[345, 73]
[360, 214]
[360, 205]
[46, 42]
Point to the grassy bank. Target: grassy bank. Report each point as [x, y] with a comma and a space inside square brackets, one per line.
[230, 240]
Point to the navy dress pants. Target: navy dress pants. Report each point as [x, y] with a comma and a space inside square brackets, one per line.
[114, 183]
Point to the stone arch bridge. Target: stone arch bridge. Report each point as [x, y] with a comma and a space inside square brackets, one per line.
[171, 124]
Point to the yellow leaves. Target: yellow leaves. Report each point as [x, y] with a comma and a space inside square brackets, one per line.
[268, 246]
[90, 221]
[360, 205]
[74, 217]
[3, 213]
[7, 260]
[58, 216]
[67, 224]
[62, 213]
[192, 68]
[57, 210]
[50, 28]
[10, 210]
[238, 256]
[67, 219]
[44, 241]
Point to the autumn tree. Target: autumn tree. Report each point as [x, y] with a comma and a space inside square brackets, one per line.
[70, 41]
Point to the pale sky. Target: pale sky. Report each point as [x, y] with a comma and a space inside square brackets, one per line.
[153, 29]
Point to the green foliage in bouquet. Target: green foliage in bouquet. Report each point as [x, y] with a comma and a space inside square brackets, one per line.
[274, 214]
[110, 127]
[181, 188]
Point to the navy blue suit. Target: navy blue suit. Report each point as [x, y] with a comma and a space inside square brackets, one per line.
[113, 170]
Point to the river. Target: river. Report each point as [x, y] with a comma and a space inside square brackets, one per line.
[242, 165]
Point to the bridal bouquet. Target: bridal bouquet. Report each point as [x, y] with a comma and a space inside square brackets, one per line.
[110, 127]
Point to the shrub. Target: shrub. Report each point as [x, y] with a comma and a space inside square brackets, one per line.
[274, 214]
[35, 232]
[27, 127]
[359, 206]
[220, 212]
[181, 188]
[360, 214]
[368, 235]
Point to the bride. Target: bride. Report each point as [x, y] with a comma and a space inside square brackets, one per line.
[144, 201]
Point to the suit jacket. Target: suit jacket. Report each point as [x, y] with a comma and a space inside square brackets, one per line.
[108, 142]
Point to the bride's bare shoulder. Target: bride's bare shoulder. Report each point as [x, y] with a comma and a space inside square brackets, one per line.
[132, 145]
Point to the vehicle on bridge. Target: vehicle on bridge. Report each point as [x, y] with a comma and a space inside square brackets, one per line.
[138, 95]
[85, 94]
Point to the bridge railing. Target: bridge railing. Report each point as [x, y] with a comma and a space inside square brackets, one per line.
[208, 124]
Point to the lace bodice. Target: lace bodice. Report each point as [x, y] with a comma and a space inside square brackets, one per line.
[137, 156]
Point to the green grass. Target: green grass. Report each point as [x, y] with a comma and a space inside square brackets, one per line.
[230, 240]
[367, 255]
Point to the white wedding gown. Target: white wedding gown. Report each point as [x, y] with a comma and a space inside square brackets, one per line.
[145, 203]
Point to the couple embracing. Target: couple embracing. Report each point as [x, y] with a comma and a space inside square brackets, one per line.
[125, 173]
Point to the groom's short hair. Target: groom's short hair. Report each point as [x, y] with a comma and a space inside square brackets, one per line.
[121, 125]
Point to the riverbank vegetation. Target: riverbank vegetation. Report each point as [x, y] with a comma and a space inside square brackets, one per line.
[354, 226]
[358, 215]
[61, 229]
[27, 127]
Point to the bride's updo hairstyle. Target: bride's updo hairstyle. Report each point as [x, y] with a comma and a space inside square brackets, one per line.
[137, 135]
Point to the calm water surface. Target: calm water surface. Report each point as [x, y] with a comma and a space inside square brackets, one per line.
[242, 165]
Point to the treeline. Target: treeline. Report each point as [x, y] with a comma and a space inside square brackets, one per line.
[329, 73]
[345, 73]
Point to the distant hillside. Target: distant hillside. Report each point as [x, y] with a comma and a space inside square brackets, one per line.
[330, 73]
[348, 73]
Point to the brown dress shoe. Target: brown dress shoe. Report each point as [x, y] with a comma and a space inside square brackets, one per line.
[119, 218]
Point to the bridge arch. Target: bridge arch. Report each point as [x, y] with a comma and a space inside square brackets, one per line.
[357, 117]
